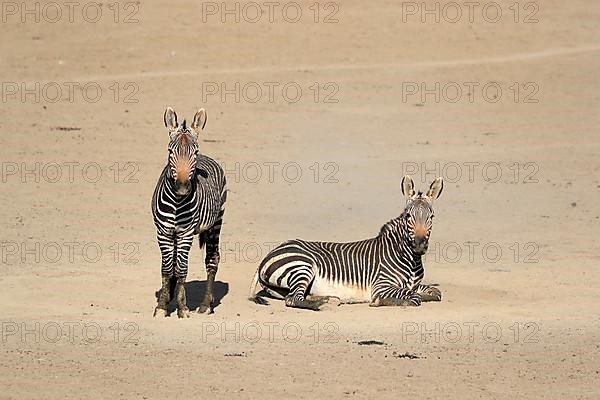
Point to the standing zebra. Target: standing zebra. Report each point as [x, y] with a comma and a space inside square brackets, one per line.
[385, 270]
[189, 199]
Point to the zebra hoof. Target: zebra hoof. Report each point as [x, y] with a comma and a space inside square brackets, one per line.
[159, 312]
[334, 301]
[319, 305]
[431, 294]
[330, 303]
[183, 313]
[305, 304]
[394, 302]
[260, 301]
[204, 309]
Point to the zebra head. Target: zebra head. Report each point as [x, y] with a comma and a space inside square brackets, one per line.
[183, 149]
[418, 213]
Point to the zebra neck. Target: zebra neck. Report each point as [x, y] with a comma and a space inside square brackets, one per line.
[169, 188]
[394, 238]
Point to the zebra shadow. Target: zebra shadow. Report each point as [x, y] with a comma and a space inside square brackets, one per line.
[195, 290]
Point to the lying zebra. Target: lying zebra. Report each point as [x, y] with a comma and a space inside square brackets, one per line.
[385, 270]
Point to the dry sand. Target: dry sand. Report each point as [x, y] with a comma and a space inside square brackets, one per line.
[516, 256]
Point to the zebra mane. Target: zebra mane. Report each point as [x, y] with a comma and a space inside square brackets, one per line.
[392, 226]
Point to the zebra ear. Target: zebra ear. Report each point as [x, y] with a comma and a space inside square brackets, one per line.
[435, 189]
[408, 187]
[199, 120]
[170, 119]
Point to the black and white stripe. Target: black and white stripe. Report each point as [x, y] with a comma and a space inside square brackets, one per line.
[189, 199]
[384, 270]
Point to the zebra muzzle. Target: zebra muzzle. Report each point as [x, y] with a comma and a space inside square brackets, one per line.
[182, 188]
[420, 245]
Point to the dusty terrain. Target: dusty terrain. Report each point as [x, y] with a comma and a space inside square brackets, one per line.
[515, 241]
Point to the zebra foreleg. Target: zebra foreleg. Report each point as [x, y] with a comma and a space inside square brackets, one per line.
[391, 301]
[182, 310]
[429, 293]
[302, 302]
[333, 300]
[212, 265]
[396, 297]
[164, 297]
[167, 291]
[181, 268]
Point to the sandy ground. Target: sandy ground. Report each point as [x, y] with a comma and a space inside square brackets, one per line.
[514, 246]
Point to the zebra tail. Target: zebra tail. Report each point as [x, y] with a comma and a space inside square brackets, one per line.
[202, 239]
[254, 292]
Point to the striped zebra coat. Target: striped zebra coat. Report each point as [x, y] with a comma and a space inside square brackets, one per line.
[188, 200]
[384, 270]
